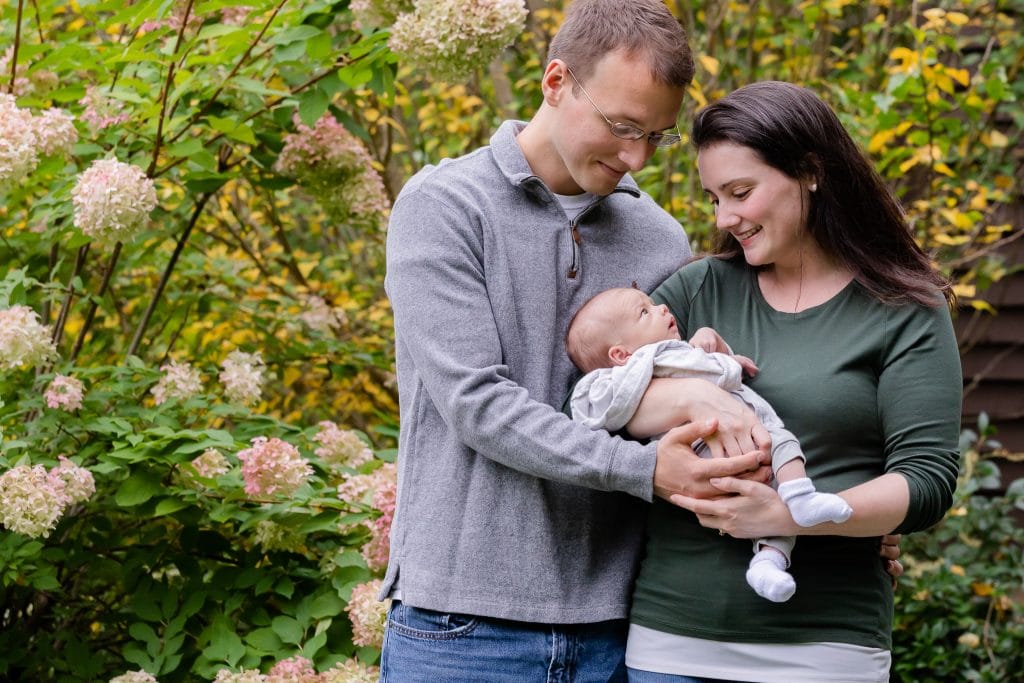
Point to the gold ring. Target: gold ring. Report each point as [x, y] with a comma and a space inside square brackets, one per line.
[721, 533]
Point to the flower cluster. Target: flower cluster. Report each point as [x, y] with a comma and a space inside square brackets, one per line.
[300, 670]
[19, 152]
[37, 82]
[370, 13]
[272, 536]
[292, 670]
[272, 466]
[340, 446]
[367, 614]
[78, 483]
[134, 677]
[24, 340]
[333, 165]
[180, 381]
[322, 317]
[32, 500]
[112, 200]
[55, 132]
[377, 549]
[24, 138]
[64, 392]
[452, 38]
[242, 377]
[354, 487]
[211, 463]
[100, 111]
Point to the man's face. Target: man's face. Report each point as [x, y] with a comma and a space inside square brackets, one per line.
[591, 158]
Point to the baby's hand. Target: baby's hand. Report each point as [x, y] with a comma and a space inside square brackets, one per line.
[710, 341]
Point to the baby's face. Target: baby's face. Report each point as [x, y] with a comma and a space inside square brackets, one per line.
[639, 321]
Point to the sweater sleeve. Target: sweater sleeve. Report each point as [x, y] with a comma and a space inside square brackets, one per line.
[444, 320]
[919, 402]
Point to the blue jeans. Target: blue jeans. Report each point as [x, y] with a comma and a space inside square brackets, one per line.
[437, 647]
[638, 676]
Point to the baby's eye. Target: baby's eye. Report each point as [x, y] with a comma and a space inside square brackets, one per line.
[740, 194]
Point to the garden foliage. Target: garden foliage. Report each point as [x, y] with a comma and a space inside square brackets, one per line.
[197, 408]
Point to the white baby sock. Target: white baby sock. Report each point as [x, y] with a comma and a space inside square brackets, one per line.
[809, 507]
[768, 577]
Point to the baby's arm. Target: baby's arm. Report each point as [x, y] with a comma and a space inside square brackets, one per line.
[710, 341]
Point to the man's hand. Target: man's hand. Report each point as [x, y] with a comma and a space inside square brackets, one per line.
[672, 401]
[744, 509]
[681, 472]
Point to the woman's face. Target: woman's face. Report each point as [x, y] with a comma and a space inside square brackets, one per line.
[761, 207]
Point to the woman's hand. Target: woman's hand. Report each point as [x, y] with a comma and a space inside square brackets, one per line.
[746, 509]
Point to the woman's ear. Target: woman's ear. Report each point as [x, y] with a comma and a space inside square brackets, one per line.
[618, 355]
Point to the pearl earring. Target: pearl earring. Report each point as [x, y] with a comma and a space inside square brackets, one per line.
[813, 187]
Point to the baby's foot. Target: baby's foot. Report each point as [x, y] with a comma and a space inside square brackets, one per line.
[809, 507]
[768, 577]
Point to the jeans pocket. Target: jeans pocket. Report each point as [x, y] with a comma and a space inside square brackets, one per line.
[427, 624]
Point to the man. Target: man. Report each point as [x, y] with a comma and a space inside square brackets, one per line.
[517, 532]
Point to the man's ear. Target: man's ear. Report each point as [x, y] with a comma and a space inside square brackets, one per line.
[555, 82]
[619, 355]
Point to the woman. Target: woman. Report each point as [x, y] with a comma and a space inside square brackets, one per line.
[819, 280]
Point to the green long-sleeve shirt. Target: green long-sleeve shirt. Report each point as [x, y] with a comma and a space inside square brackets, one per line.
[867, 389]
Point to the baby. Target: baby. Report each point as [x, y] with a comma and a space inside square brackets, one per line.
[621, 339]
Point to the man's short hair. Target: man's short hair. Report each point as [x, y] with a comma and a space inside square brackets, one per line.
[594, 28]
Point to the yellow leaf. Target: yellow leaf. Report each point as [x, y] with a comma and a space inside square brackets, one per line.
[710, 64]
[963, 292]
[996, 139]
[697, 94]
[907, 57]
[982, 589]
[881, 139]
[944, 169]
[985, 306]
[934, 13]
[957, 18]
[908, 164]
[951, 240]
[961, 76]
[958, 570]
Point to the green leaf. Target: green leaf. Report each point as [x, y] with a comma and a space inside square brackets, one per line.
[312, 105]
[293, 34]
[327, 605]
[138, 488]
[264, 639]
[287, 629]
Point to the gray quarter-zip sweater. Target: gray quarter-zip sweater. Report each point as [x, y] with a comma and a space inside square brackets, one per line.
[506, 507]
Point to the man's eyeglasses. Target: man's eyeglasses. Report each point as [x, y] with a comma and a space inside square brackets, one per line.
[628, 131]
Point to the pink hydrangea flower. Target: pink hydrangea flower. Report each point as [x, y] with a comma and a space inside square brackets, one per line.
[273, 466]
[351, 671]
[340, 446]
[334, 166]
[354, 487]
[377, 549]
[180, 381]
[134, 677]
[31, 502]
[64, 392]
[367, 614]
[24, 340]
[77, 482]
[101, 112]
[55, 132]
[211, 463]
[37, 82]
[243, 676]
[18, 145]
[292, 670]
[321, 317]
[242, 377]
[235, 15]
[373, 13]
[451, 39]
[112, 201]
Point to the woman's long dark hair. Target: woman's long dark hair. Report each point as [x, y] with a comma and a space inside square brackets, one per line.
[853, 216]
